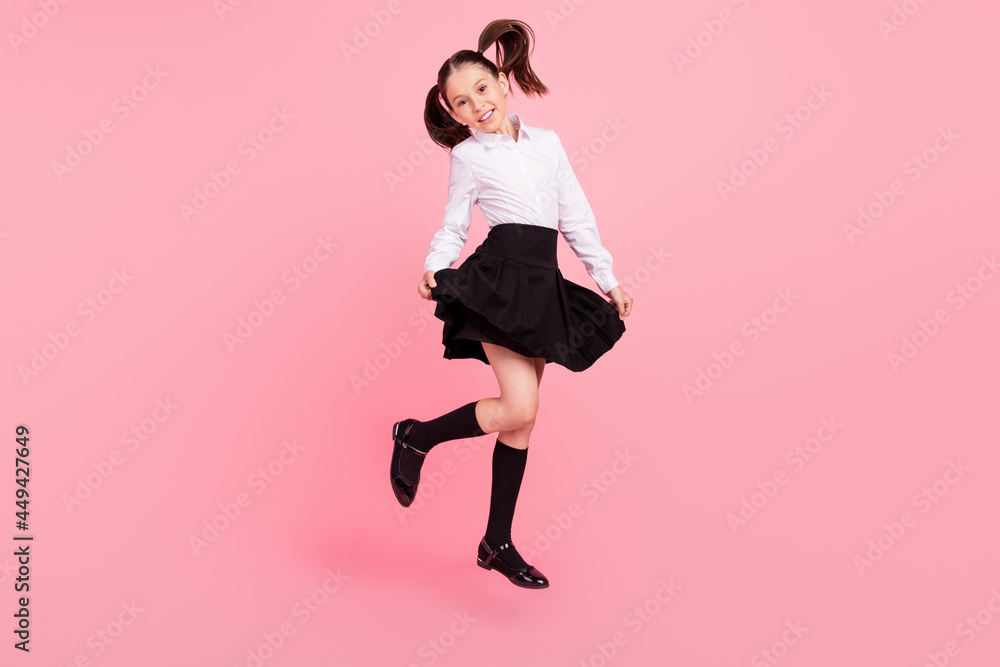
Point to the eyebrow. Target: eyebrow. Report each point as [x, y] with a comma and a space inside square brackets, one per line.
[473, 85]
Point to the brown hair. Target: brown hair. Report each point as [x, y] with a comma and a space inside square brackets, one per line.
[516, 38]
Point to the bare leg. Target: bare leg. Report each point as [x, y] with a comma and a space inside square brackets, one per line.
[518, 438]
[512, 415]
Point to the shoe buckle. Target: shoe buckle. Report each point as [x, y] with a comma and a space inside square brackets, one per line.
[494, 552]
[401, 440]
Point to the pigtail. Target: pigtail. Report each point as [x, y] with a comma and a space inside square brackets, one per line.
[442, 128]
[516, 39]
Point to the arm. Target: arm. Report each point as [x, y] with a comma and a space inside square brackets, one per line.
[577, 224]
[449, 240]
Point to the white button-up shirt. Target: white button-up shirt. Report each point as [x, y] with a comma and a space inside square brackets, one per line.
[529, 181]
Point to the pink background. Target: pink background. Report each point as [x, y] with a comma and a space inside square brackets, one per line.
[406, 580]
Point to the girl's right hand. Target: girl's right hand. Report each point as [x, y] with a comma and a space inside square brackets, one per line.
[425, 284]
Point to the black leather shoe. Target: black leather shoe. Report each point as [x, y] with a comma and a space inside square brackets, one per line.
[525, 577]
[405, 489]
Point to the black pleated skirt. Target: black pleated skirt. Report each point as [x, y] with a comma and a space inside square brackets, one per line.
[510, 292]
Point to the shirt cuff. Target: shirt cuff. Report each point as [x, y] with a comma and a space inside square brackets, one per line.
[605, 280]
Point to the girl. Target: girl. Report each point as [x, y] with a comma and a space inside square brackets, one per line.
[508, 304]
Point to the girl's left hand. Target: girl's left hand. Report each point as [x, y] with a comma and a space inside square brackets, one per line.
[621, 301]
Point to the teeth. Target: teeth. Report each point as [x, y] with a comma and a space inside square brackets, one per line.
[490, 113]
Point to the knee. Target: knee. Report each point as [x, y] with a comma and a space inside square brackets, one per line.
[526, 428]
[523, 414]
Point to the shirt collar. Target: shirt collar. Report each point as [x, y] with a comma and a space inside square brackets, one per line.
[492, 139]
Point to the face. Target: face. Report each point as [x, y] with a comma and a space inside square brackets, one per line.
[473, 92]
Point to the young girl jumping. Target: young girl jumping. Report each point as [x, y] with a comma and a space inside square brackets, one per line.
[508, 304]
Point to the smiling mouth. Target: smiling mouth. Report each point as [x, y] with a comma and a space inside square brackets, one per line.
[487, 116]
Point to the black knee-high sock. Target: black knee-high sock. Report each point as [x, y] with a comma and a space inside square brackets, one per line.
[508, 471]
[459, 423]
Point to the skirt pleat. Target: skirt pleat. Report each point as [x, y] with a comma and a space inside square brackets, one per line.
[510, 292]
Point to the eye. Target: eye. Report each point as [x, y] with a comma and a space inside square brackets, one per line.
[480, 90]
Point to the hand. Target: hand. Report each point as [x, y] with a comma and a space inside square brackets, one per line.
[423, 289]
[621, 301]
